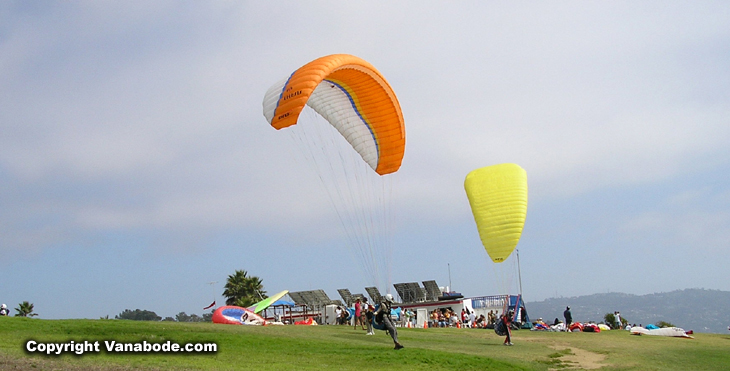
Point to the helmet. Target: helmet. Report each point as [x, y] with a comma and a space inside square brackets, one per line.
[3, 306]
[389, 298]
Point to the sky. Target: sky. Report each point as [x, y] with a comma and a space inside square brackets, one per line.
[137, 170]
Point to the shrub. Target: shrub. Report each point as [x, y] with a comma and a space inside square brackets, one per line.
[663, 324]
[138, 315]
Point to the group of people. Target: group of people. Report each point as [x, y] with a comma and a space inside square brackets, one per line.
[618, 323]
[492, 317]
[363, 315]
[446, 317]
[408, 317]
[366, 314]
[443, 318]
[485, 322]
[341, 315]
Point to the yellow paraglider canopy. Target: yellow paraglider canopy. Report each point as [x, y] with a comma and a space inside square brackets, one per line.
[498, 198]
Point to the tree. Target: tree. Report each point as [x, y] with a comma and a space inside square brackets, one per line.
[242, 290]
[25, 309]
[609, 319]
[182, 317]
[208, 317]
[138, 315]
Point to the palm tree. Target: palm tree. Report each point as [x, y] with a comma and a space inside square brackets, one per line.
[242, 290]
[25, 309]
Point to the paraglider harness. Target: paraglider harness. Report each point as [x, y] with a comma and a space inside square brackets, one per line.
[377, 319]
[499, 328]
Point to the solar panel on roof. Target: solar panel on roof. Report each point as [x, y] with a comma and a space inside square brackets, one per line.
[310, 298]
[402, 291]
[416, 291]
[297, 297]
[409, 292]
[374, 294]
[321, 297]
[432, 290]
[347, 296]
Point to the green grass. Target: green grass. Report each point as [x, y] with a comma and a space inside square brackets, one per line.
[343, 348]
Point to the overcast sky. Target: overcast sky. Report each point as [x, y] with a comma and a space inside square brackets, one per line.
[136, 165]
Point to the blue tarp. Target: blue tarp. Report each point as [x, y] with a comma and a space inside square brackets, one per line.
[283, 302]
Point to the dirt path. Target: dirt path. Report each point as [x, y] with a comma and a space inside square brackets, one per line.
[576, 358]
[51, 364]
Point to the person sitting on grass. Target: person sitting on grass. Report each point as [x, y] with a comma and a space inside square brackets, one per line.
[481, 321]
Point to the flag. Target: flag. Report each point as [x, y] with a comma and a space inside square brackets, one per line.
[210, 306]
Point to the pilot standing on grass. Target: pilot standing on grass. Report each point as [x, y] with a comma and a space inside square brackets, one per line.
[368, 315]
[383, 315]
[507, 323]
[568, 318]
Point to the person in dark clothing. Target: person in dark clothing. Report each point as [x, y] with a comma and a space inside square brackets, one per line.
[383, 314]
[568, 318]
[507, 321]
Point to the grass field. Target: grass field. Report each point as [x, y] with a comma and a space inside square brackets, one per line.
[343, 348]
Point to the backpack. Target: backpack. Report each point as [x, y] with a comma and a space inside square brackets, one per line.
[500, 329]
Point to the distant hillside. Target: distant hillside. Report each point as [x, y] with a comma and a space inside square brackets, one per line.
[692, 309]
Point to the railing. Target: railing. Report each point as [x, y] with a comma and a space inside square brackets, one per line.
[491, 301]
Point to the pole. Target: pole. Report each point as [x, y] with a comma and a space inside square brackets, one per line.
[519, 271]
[450, 288]
[519, 275]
